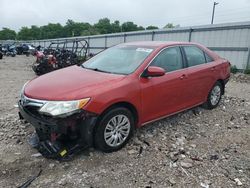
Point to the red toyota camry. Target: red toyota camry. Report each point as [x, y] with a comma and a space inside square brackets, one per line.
[102, 101]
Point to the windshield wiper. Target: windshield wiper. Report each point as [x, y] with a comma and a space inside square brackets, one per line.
[99, 70]
[95, 69]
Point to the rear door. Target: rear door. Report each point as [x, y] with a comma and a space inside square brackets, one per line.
[166, 94]
[202, 73]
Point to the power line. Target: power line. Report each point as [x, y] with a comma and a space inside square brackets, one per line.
[219, 12]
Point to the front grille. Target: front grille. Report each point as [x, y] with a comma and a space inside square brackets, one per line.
[32, 110]
[31, 106]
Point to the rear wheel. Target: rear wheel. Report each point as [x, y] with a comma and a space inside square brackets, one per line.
[214, 96]
[114, 129]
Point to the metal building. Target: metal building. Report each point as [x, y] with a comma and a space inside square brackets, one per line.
[231, 41]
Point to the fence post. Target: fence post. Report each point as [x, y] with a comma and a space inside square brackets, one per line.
[248, 59]
[153, 35]
[190, 35]
[105, 41]
[124, 37]
[88, 46]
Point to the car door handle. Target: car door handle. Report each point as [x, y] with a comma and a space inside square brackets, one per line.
[213, 69]
[183, 76]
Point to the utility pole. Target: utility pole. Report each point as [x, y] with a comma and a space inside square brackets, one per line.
[215, 3]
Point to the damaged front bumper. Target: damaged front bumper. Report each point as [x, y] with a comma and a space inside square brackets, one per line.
[60, 137]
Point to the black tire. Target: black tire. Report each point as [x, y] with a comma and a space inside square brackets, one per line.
[210, 104]
[99, 140]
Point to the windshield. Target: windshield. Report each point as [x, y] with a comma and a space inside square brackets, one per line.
[118, 60]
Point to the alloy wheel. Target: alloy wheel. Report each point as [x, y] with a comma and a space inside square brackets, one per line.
[215, 95]
[117, 130]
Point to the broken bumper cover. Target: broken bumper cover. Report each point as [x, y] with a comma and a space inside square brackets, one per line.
[60, 136]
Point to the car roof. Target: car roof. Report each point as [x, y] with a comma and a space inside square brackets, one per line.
[155, 44]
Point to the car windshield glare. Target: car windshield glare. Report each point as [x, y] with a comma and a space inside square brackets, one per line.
[118, 60]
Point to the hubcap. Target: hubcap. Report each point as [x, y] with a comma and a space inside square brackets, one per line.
[117, 130]
[215, 95]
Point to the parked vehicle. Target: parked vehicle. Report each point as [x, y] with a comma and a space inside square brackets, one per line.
[22, 49]
[1, 53]
[101, 102]
[9, 50]
[25, 49]
[59, 55]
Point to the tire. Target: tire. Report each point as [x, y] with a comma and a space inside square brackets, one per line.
[116, 125]
[214, 96]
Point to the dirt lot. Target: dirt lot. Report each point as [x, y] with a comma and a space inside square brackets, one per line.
[196, 148]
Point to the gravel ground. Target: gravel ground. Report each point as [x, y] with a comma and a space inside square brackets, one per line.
[196, 148]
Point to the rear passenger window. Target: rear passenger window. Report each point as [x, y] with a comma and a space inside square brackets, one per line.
[194, 55]
[169, 59]
[208, 58]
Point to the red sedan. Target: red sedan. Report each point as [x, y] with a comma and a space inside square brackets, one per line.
[102, 101]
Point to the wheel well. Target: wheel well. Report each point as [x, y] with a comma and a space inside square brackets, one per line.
[127, 105]
[223, 85]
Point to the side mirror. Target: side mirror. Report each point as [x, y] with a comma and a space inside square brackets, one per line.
[153, 71]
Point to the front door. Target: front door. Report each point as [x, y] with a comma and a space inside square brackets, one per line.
[165, 95]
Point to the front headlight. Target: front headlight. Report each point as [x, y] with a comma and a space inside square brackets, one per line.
[56, 108]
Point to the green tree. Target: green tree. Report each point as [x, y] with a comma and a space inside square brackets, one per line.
[72, 28]
[25, 34]
[130, 26]
[51, 31]
[140, 28]
[103, 26]
[151, 27]
[91, 31]
[169, 25]
[7, 34]
[35, 32]
[116, 28]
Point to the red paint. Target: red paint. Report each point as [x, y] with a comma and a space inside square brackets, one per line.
[155, 71]
[153, 97]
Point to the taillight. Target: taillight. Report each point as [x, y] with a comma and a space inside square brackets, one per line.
[227, 66]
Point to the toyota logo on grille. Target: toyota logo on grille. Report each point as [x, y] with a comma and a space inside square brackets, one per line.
[25, 101]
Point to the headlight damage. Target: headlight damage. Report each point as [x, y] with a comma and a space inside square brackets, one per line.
[61, 127]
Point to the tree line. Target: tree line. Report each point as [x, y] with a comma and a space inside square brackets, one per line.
[72, 29]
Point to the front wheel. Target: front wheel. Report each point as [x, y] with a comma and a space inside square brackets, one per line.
[214, 96]
[114, 129]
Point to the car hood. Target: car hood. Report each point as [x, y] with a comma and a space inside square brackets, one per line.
[70, 83]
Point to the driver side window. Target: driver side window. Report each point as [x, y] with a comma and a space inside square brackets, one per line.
[169, 59]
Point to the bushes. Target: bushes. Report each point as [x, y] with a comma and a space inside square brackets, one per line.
[234, 69]
[247, 71]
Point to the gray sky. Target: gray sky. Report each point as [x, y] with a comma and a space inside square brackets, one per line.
[17, 13]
